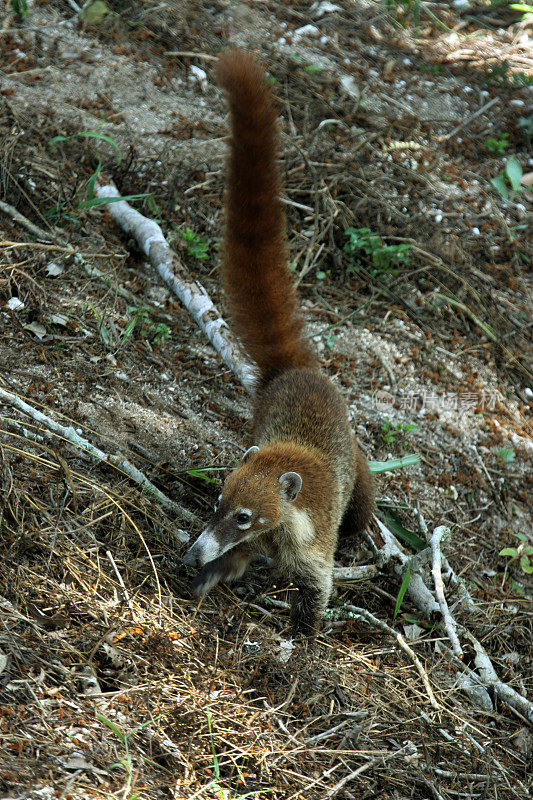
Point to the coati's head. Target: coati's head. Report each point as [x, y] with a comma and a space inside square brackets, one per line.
[252, 502]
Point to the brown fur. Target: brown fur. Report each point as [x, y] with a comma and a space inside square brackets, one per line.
[309, 479]
[255, 277]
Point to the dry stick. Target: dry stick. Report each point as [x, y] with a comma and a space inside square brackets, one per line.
[378, 760]
[464, 595]
[449, 621]
[378, 623]
[488, 677]
[355, 573]
[150, 239]
[120, 580]
[122, 464]
[417, 589]
[424, 600]
[469, 119]
[12, 212]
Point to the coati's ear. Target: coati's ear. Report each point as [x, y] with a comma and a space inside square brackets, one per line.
[290, 483]
[250, 452]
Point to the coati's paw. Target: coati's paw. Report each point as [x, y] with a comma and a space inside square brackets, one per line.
[206, 579]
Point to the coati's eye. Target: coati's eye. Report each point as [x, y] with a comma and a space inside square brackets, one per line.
[243, 518]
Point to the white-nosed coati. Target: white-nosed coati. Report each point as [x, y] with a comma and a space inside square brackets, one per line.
[305, 478]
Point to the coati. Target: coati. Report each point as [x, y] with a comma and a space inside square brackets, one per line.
[305, 479]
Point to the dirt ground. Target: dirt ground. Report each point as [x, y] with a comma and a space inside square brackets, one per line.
[394, 117]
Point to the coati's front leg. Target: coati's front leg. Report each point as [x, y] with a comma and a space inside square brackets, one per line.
[228, 567]
[312, 586]
[361, 504]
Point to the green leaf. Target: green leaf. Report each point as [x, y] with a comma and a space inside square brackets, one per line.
[499, 184]
[199, 473]
[392, 521]
[90, 135]
[110, 724]
[509, 551]
[506, 454]
[128, 329]
[513, 170]
[527, 567]
[104, 201]
[94, 13]
[20, 7]
[92, 181]
[393, 463]
[215, 759]
[403, 589]
[528, 551]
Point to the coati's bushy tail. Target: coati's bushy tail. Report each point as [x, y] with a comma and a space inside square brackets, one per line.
[255, 273]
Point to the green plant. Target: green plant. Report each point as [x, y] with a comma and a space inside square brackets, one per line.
[403, 589]
[312, 68]
[523, 553]
[506, 454]
[510, 176]
[101, 327]
[402, 8]
[500, 74]
[125, 762]
[20, 7]
[526, 125]
[61, 210]
[140, 319]
[393, 463]
[94, 13]
[201, 473]
[197, 246]
[391, 519]
[526, 9]
[497, 145]
[384, 257]
[223, 793]
[389, 432]
[433, 69]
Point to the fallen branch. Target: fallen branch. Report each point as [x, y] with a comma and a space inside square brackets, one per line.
[355, 573]
[449, 621]
[393, 553]
[120, 463]
[151, 241]
[354, 612]
[488, 677]
[15, 215]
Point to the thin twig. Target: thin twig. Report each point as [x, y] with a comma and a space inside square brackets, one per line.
[354, 611]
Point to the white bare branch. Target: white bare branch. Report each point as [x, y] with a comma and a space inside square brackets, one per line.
[151, 241]
[449, 622]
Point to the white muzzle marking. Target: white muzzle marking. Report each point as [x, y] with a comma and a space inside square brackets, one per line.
[206, 548]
